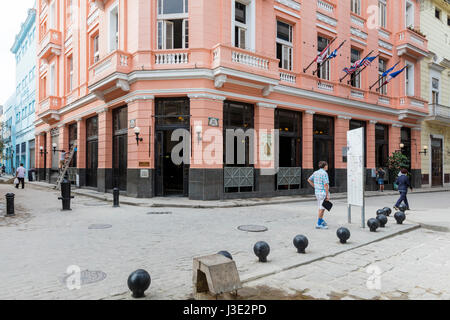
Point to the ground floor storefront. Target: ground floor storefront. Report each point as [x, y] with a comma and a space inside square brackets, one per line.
[207, 144]
[435, 153]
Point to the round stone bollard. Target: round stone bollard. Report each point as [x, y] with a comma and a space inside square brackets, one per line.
[116, 193]
[226, 254]
[261, 250]
[387, 211]
[343, 234]
[301, 243]
[138, 282]
[400, 217]
[10, 204]
[373, 224]
[380, 211]
[382, 220]
[402, 207]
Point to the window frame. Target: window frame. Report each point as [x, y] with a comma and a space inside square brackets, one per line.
[355, 6]
[163, 20]
[113, 37]
[324, 71]
[355, 81]
[409, 82]
[287, 47]
[383, 90]
[382, 11]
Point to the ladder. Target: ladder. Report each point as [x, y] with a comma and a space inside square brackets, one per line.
[65, 166]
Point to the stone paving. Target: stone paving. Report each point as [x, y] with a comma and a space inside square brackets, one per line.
[40, 244]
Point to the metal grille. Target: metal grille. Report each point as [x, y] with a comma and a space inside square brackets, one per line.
[289, 176]
[72, 173]
[238, 177]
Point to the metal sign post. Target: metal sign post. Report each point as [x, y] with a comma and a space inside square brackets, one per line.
[355, 173]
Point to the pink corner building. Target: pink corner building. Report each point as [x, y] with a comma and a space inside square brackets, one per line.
[119, 80]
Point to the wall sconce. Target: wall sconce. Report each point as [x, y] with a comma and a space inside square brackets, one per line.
[402, 145]
[137, 131]
[54, 148]
[42, 152]
[198, 131]
[424, 152]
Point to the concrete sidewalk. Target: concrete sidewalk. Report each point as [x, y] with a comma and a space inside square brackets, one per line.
[182, 202]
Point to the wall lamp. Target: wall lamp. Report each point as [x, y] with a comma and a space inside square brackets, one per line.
[424, 152]
[137, 132]
[54, 148]
[42, 152]
[402, 145]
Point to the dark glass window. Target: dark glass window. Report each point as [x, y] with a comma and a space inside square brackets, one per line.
[120, 118]
[381, 145]
[323, 126]
[283, 31]
[405, 134]
[240, 12]
[355, 80]
[73, 136]
[92, 127]
[171, 111]
[288, 123]
[323, 143]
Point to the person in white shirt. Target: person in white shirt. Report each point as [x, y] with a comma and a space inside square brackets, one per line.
[20, 175]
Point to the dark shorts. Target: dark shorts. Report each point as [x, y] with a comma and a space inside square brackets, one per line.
[381, 181]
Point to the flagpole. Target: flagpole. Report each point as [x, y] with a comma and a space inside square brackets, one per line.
[359, 71]
[340, 80]
[317, 70]
[306, 69]
[385, 83]
[379, 78]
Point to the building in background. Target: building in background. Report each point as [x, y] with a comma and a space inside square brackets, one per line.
[8, 134]
[109, 67]
[435, 17]
[24, 49]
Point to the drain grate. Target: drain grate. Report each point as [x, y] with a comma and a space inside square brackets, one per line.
[87, 277]
[159, 212]
[100, 226]
[252, 228]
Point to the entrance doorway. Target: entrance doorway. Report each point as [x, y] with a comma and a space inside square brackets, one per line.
[91, 151]
[120, 148]
[324, 144]
[171, 179]
[436, 162]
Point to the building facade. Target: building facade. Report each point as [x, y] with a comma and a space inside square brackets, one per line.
[127, 80]
[435, 17]
[8, 134]
[24, 49]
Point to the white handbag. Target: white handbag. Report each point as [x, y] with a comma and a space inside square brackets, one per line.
[16, 181]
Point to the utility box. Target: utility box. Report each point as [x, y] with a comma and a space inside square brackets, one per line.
[215, 274]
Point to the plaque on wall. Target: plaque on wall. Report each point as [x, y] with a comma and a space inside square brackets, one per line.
[213, 122]
[145, 173]
[132, 123]
[144, 164]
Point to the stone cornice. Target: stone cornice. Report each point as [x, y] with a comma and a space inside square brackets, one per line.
[136, 98]
[205, 96]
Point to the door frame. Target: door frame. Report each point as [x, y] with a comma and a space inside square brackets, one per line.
[442, 138]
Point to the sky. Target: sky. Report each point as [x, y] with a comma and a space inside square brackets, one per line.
[12, 15]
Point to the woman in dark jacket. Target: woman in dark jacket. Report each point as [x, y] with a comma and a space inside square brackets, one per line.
[403, 185]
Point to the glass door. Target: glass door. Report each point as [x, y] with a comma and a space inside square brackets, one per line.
[436, 162]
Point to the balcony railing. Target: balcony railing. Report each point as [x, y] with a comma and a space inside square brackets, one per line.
[412, 43]
[50, 45]
[439, 110]
[171, 57]
[50, 103]
[117, 61]
[288, 77]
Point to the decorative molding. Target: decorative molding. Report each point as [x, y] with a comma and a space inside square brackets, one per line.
[326, 19]
[136, 98]
[123, 84]
[287, 12]
[310, 112]
[344, 117]
[384, 34]
[397, 125]
[355, 20]
[373, 121]
[219, 81]
[266, 105]
[385, 45]
[326, 28]
[359, 41]
[290, 3]
[268, 90]
[205, 96]
[358, 33]
[102, 110]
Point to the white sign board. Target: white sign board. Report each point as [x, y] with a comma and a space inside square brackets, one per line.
[355, 167]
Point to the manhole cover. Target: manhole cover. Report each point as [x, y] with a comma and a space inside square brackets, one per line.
[86, 277]
[160, 212]
[252, 228]
[100, 226]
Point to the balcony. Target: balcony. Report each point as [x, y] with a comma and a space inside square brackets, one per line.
[48, 109]
[50, 45]
[439, 113]
[411, 43]
[110, 73]
[246, 65]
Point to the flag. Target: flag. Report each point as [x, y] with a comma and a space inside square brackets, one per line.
[335, 51]
[355, 66]
[389, 70]
[367, 61]
[393, 75]
[321, 56]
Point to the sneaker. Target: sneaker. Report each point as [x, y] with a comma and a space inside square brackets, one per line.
[396, 208]
[324, 223]
[321, 226]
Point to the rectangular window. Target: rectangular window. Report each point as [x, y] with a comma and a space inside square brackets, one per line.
[437, 13]
[355, 80]
[69, 12]
[172, 24]
[52, 15]
[324, 68]
[382, 13]
[284, 45]
[70, 73]
[409, 79]
[114, 29]
[381, 145]
[240, 25]
[434, 91]
[95, 49]
[356, 6]
[52, 79]
[409, 16]
[381, 69]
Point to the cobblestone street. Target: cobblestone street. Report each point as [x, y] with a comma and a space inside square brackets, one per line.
[41, 242]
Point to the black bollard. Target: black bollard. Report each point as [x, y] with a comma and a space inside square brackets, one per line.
[116, 192]
[10, 204]
[381, 211]
[226, 254]
[400, 217]
[388, 211]
[65, 194]
[300, 242]
[382, 219]
[138, 282]
[261, 250]
[373, 224]
[402, 207]
[343, 234]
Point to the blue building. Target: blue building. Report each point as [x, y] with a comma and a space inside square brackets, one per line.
[24, 49]
[8, 134]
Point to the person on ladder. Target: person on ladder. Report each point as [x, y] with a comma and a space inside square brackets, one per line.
[62, 159]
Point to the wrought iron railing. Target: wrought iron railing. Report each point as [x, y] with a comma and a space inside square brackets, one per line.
[239, 177]
[289, 176]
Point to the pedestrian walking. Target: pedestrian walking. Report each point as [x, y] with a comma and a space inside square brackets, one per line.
[380, 178]
[20, 175]
[3, 169]
[320, 182]
[403, 184]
